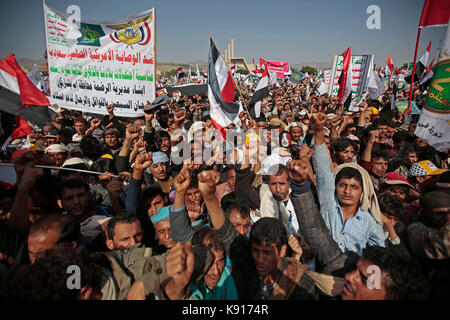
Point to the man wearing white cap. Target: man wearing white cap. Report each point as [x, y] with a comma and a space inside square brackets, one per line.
[58, 152]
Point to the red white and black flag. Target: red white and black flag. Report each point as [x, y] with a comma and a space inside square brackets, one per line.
[221, 91]
[389, 67]
[261, 92]
[179, 72]
[429, 74]
[421, 66]
[20, 97]
[345, 80]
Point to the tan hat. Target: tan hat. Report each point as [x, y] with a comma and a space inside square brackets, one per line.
[73, 161]
[277, 122]
[56, 148]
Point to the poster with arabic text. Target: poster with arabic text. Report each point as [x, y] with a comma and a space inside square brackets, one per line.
[105, 62]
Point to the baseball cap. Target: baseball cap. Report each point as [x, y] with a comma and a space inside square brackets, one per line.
[425, 168]
[396, 178]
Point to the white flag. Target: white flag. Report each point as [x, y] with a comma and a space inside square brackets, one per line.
[273, 77]
[35, 76]
[375, 86]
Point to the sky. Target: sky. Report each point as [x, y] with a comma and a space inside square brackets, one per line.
[297, 31]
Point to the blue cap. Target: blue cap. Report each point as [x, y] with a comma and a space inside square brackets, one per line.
[158, 157]
[160, 214]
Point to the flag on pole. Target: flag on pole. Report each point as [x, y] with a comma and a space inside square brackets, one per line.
[435, 13]
[189, 75]
[35, 76]
[389, 67]
[261, 92]
[296, 76]
[20, 97]
[434, 121]
[422, 64]
[198, 73]
[233, 68]
[221, 91]
[322, 88]
[375, 86]
[428, 74]
[345, 80]
[179, 72]
[273, 77]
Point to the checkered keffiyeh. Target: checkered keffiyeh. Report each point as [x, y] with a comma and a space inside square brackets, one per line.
[417, 170]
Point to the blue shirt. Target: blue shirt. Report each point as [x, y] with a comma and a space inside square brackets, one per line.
[358, 231]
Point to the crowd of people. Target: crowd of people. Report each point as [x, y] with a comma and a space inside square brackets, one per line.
[306, 201]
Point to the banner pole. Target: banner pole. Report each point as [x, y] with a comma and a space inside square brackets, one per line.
[414, 69]
[154, 51]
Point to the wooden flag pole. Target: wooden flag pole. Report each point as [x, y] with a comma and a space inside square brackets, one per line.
[228, 69]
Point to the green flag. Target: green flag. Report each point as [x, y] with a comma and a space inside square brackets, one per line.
[434, 121]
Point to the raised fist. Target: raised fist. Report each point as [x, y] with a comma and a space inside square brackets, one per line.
[132, 132]
[207, 181]
[143, 161]
[182, 180]
[318, 121]
[298, 170]
[95, 123]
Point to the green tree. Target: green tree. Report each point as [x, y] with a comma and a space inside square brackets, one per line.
[308, 69]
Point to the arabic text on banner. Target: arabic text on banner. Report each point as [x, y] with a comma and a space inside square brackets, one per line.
[434, 122]
[360, 73]
[279, 67]
[111, 62]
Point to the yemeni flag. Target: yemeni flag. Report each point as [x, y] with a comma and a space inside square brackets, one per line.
[422, 64]
[20, 97]
[389, 66]
[221, 91]
[434, 122]
[261, 92]
[345, 80]
[435, 13]
[429, 74]
[179, 72]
